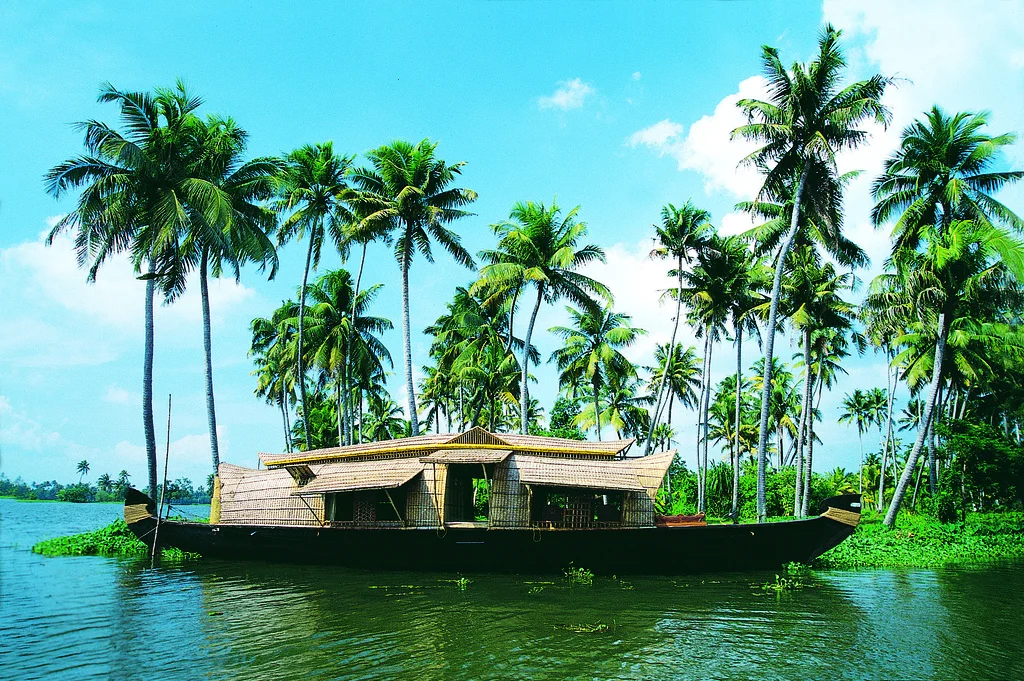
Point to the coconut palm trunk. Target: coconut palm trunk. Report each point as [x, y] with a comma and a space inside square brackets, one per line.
[736, 428]
[668, 359]
[284, 418]
[407, 336]
[933, 468]
[805, 416]
[211, 411]
[702, 444]
[147, 382]
[597, 411]
[923, 429]
[769, 347]
[891, 384]
[819, 385]
[348, 342]
[299, 351]
[524, 395]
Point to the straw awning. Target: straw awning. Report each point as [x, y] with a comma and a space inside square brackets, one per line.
[359, 475]
[589, 474]
[467, 456]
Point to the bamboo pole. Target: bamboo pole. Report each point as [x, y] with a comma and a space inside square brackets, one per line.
[163, 489]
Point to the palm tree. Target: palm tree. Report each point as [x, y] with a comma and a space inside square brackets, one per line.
[314, 190]
[274, 354]
[706, 294]
[105, 483]
[407, 193]
[684, 372]
[537, 245]
[857, 409]
[683, 232]
[939, 184]
[82, 469]
[590, 351]
[942, 172]
[123, 480]
[807, 121]
[338, 339]
[227, 225]
[134, 183]
[385, 419]
[812, 299]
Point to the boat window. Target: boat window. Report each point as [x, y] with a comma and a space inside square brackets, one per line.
[338, 506]
[560, 507]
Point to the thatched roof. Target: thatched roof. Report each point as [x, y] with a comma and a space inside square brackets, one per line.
[643, 474]
[424, 445]
[467, 456]
[355, 475]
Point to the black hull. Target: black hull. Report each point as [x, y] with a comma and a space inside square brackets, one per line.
[664, 550]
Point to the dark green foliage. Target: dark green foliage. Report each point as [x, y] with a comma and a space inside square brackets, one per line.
[560, 423]
[987, 471]
[113, 540]
[922, 541]
[78, 493]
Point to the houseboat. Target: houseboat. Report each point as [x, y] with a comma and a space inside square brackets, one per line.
[477, 501]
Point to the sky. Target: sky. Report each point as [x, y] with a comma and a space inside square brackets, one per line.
[618, 108]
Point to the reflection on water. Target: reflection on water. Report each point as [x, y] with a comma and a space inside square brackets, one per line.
[108, 618]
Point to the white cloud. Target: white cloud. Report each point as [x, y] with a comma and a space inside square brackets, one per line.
[118, 395]
[736, 223]
[570, 94]
[657, 136]
[637, 75]
[20, 430]
[116, 297]
[706, 148]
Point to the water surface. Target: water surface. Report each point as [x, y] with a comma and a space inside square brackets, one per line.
[91, 617]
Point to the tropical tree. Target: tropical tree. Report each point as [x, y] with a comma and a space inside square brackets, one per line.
[706, 294]
[938, 186]
[105, 483]
[807, 120]
[313, 190]
[133, 183]
[228, 225]
[590, 352]
[407, 193]
[340, 341]
[82, 469]
[680, 371]
[274, 355]
[683, 232]
[538, 246]
[857, 409]
[384, 419]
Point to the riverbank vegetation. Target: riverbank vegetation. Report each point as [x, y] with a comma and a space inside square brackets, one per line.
[105, 489]
[173, 190]
[114, 540]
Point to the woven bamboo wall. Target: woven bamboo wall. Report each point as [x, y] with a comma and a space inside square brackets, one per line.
[262, 497]
[425, 496]
[637, 510]
[510, 499]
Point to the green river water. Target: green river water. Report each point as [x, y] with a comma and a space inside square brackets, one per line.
[104, 618]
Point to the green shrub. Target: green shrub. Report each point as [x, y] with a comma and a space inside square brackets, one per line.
[113, 540]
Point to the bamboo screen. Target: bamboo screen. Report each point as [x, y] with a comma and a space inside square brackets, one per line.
[426, 496]
[509, 499]
[254, 497]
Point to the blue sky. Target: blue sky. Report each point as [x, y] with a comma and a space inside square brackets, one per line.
[616, 107]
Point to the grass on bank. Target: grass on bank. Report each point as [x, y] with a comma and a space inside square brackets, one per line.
[114, 540]
[922, 541]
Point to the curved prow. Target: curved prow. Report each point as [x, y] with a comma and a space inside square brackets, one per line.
[138, 507]
[844, 508]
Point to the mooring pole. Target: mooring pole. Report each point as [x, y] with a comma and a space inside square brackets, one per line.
[163, 488]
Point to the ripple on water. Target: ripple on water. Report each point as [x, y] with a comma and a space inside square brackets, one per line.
[114, 619]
